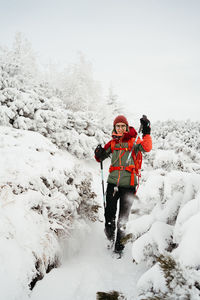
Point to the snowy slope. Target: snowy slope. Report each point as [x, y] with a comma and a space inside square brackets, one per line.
[165, 227]
[43, 198]
[164, 224]
[46, 190]
[38, 184]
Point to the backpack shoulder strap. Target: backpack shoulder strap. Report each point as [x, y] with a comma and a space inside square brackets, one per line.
[113, 142]
[130, 144]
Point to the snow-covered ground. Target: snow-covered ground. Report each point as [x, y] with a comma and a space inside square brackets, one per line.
[43, 197]
[50, 191]
[89, 270]
[37, 209]
[88, 266]
[46, 211]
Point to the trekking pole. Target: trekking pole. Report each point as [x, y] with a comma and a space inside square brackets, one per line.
[135, 142]
[102, 181]
[130, 153]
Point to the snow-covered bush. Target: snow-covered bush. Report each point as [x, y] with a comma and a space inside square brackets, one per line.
[44, 196]
[29, 103]
[79, 132]
[168, 280]
[165, 222]
[114, 295]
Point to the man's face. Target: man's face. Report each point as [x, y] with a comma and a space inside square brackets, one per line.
[120, 128]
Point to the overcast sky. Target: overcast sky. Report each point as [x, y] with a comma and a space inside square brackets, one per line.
[148, 49]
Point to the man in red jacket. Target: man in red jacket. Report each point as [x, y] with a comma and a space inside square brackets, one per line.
[122, 180]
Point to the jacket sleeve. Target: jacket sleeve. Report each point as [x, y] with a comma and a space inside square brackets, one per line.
[107, 152]
[144, 145]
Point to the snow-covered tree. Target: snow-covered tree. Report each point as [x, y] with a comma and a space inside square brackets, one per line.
[113, 102]
[111, 108]
[80, 90]
[18, 65]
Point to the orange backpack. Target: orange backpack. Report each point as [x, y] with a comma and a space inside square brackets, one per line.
[136, 158]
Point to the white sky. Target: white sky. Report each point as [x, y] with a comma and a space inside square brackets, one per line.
[148, 49]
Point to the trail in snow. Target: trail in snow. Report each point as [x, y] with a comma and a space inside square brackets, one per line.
[92, 269]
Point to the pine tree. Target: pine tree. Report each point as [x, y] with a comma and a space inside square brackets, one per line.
[80, 90]
[113, 102]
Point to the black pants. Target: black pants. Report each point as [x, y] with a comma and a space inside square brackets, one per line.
[125, 196]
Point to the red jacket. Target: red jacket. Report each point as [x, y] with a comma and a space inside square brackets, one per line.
[146, 142]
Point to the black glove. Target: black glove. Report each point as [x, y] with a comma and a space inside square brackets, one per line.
[100, 153]
[146, 125]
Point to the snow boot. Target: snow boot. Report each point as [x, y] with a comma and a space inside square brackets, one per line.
[110, 230]
[119, 246]
[110, 233]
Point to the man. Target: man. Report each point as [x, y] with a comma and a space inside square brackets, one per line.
[122, 180]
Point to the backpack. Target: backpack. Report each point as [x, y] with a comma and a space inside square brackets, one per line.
[136, 169]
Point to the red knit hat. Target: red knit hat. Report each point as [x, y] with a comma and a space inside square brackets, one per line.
[120, 119]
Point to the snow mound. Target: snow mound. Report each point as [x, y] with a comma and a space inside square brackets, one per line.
[165, 225]
[44, 196]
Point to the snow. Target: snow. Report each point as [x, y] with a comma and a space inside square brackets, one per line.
[90, 270]
[29, 220]
[40, 223]
[141, 225]
[152, 279]
[189, 235]
[154, 240]
[40, 206]
[50, 193]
